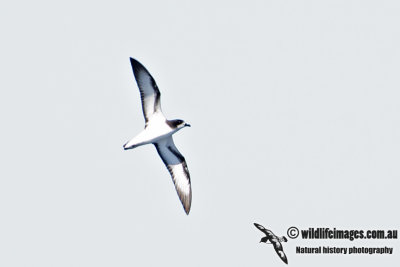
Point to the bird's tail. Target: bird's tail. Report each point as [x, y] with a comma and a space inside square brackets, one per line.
[126, 147]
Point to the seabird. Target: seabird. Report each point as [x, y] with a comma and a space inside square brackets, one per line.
[274, 240]
[158, 131]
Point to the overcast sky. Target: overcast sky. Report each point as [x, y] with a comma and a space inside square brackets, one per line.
[294, 107]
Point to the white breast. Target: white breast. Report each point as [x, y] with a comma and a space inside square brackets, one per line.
[157, 128]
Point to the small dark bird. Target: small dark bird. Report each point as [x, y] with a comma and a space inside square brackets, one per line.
[274, 240]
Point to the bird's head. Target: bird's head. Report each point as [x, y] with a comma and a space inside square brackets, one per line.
[178, 124]
[264, 239]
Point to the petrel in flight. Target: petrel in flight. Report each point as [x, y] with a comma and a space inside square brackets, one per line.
[274, 240]
[158, 131]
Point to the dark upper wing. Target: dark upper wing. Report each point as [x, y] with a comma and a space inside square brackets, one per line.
[263, 229]
[177, 167]
[279, 250]
[149, 93]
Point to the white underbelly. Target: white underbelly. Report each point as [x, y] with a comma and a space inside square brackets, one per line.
[156, 129]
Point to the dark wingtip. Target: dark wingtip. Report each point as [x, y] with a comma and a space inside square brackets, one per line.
[137, 66]
[126, 147]
[283, 258]
[186, 208]
[134, 62]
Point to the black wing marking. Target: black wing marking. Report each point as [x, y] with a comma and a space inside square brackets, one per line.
[149, 93]
[176, 165]
[264, 230]
[260, 227]
[279, 250]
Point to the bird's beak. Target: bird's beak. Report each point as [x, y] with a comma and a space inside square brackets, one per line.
[187, 125]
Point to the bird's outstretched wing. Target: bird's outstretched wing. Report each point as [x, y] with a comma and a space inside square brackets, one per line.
[263, 229]
[260, 227]
[149, 93]
[176, 165]
[279, 250]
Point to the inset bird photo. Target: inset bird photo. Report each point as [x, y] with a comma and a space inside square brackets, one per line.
[275, 241]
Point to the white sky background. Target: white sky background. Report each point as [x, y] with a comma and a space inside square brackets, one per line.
[294, 108]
